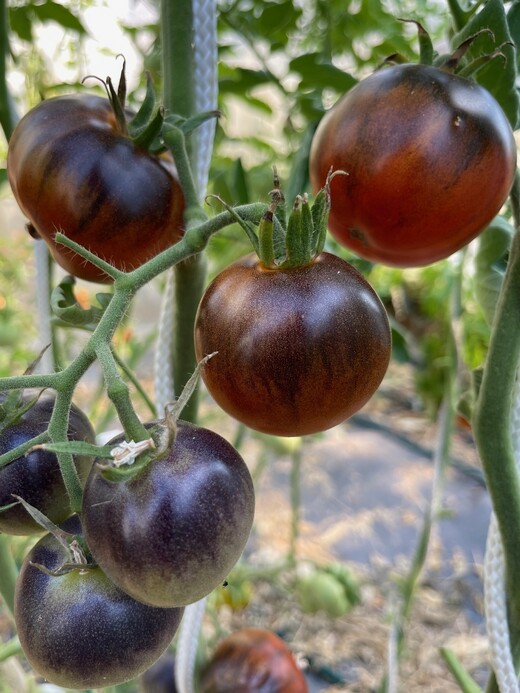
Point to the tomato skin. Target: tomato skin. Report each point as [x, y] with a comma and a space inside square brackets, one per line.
[36, 476]
[252, 660]
[71, 170]
[171, 534]
[79, 630]
[299, 350]
[431, 159]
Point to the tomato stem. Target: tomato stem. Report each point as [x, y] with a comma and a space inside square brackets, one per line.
[8, 572]
[58, 428]
[119, 394]
[492, 427]
[175, 140]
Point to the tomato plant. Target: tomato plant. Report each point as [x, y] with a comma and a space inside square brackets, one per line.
[79, 630]
[252, 660]
[35, 476]
[299, 338]
[299, 350]
[170, 534]
[430, 158]
[74, 169]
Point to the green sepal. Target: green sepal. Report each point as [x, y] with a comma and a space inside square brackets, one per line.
[426, 50]
[294, 243]
[265, 238]
[13, 406]
[247, 226]
[121, 86]
[63, 537]
[146, 125]
[78, 447]
[149, 137]
[146, 110]
[117, 107]
[475, 65]
[320, 216]
[307, 226]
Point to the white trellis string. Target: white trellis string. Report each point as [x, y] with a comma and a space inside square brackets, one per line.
[494, 585]
[206, 93]
[164, 391]
[43, 310]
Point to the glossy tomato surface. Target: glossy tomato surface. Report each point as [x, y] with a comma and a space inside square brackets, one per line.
[36, 476]
[71, 170]
[79, 630]
[298, 350]
[430, 158]
[172, 533]
[252, 660]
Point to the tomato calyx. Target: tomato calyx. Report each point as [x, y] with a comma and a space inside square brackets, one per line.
[288, 243]
[143, 127]
[129, 458]
[452, 62]
[78, 556]
[304, 232]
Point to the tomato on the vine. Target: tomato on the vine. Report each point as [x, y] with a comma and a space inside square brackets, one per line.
[299, 350]
[77, 629]
[72, 170]
[169, 534]
[430, 158]
[36, 476]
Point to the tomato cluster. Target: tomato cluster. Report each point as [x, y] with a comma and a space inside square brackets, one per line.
[99, 601]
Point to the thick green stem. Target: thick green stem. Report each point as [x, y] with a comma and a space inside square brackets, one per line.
[177, 56]
[8, 117]
[296, 463]
[179, 97]
[8, 572]
[190, 278]
[492, 428]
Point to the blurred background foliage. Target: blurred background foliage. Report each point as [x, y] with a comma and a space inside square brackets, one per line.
[281, 65]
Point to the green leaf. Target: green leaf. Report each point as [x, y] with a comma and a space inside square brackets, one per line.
[65, 307]
[20, 21]
[498, 75]
[53, 11]
[239, 183]
[318, 74]
[490, 264]
[298, 182]
[513, 22]
[239, 79]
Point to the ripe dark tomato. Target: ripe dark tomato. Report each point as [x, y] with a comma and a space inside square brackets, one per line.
[36, 476]
[252, 660]
[431, 159]
[79, 630]
[169, 535]
[299, 350]
[71, 170]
